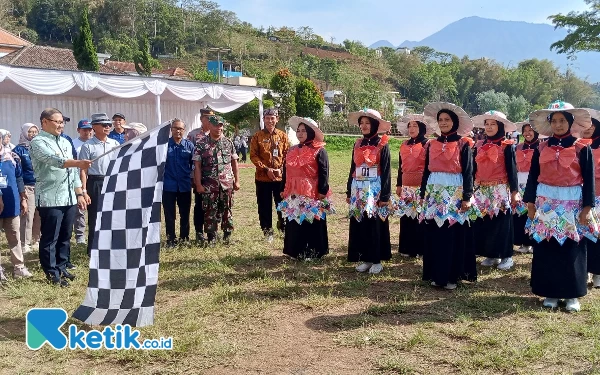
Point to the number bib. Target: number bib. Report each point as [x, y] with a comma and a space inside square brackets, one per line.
[366, 173]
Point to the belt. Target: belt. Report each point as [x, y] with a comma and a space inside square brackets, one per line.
[95, 177]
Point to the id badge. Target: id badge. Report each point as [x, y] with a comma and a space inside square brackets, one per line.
[366, 173]
[276, 153]
[3, 182]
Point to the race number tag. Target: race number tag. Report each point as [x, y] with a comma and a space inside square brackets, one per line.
[366, 173]
[275, 153]
[3, 182]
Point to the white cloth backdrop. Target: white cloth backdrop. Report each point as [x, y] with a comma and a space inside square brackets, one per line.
[25, 92]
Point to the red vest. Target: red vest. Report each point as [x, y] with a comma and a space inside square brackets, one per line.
[596, 153]
[301, 172]
[491, 168]
[413, 163]
[445, 157]
[559, 166]
[368, 155]
[524, 158]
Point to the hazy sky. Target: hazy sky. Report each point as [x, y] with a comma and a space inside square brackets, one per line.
[394, 20]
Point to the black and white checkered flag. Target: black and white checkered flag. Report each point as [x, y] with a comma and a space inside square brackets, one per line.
[126, 246]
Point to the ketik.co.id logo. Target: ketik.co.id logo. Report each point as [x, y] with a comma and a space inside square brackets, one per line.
[43, 326]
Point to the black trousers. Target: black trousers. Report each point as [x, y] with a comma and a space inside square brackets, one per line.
[198, 213]
[55, 240]
[184, 203]
[266, 193]
[94, 190]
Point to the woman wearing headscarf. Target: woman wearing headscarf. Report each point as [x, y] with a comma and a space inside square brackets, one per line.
[524, 152]
[133, 129]
[5, 134]
[495, 191]
[368, 193]
[447, 190]
[560, 196]
[410, 174]
[306, 193]
[593, 254]
[30, 221]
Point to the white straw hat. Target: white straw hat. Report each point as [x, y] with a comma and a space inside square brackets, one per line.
[295, 121]
[384, 126]
[479, 121]
[541, 123]
[465, 124]
[429, 122]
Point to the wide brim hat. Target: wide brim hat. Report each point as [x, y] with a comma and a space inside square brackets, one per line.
[295, 121]
[520, 125]
[465, 124]
[595, 114]
[429, 122]
[539, 119]
[141, 128]
[384, 126]
[479, 121]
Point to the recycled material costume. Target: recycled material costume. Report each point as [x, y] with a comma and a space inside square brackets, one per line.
[446, 187]
[593, 254]
[306, 178]
[369, 183]
[561, 185]
[495, 181]
[410, 174]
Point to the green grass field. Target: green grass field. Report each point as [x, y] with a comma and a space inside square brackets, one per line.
[246, 309]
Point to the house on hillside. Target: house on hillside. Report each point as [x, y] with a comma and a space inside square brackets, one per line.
[403, 50]
[10, 43]
[335, 100]
[129, 68]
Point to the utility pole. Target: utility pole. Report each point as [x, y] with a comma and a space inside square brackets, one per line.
[218, 50]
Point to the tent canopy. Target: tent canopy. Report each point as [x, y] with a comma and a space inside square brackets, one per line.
[25, 92]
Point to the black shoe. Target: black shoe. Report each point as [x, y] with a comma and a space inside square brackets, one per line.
[54, 280]
[281, 226]
[211, 239]
[68, 275]
[71, 266]
[171, 244]
[226, 238]
[200, 238]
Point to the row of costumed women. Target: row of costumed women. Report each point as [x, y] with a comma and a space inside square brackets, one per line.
[458, 199]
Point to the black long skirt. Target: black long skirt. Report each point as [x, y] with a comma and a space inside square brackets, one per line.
[448, 256]
[369, 240]
[494, 236]
[593, 257]
[411, 237]
[306, 240]
[520, 237]
[559, 271]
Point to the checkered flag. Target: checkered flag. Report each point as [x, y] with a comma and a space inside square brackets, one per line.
[126, 245]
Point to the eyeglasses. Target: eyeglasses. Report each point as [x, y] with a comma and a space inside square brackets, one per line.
[59, 122]
[180, 129]
[104, 125]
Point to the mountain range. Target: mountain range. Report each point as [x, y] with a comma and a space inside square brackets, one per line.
[507, 42]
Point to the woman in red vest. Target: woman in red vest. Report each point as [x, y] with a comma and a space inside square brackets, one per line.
[496, 190]
[306, 193]
[410, 174]
[447, 188]
[560, 197]
[593, 255]
[368, 193]
[524, 152]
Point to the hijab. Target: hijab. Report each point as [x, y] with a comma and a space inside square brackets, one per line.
[500, 134]
[24, 137]
[533, 144]
[310, 135]
[596, 135]
[452, 135]
[421, 136]
[374, 127]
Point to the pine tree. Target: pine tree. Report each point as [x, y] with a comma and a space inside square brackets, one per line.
[83, 46]
[144, 62]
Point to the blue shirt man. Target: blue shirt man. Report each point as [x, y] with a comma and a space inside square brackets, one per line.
[118, 133]
[177, 185]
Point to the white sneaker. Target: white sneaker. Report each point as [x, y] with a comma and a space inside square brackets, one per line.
[81, 241]
[522, 249]
[2, 276]
[572, 305]
[517, 247]
[596, 281]
[269, 238]
[404, 255]
[26, 249]
[530, 249]
[363, 267]
[22, 273]
[450, 286]
[506, 264]
[550, 303]
[35, 245]
[433, 283]
[376, 268]
[490, 262]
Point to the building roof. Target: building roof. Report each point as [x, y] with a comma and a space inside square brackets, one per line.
[48, 58]
[12, 40]
[129, 67]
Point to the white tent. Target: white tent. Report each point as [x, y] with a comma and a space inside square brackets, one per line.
[25, 92]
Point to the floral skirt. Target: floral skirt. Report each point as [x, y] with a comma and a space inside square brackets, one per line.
[521, 208]
[491, 200]
[443, 199]
[300, 208]
[409, 203]
[557, 215]
[364, 196]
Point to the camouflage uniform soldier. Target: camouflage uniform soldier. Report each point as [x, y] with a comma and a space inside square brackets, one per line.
[216, 177]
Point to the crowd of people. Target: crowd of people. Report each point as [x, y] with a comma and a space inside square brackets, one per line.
[469, 191]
